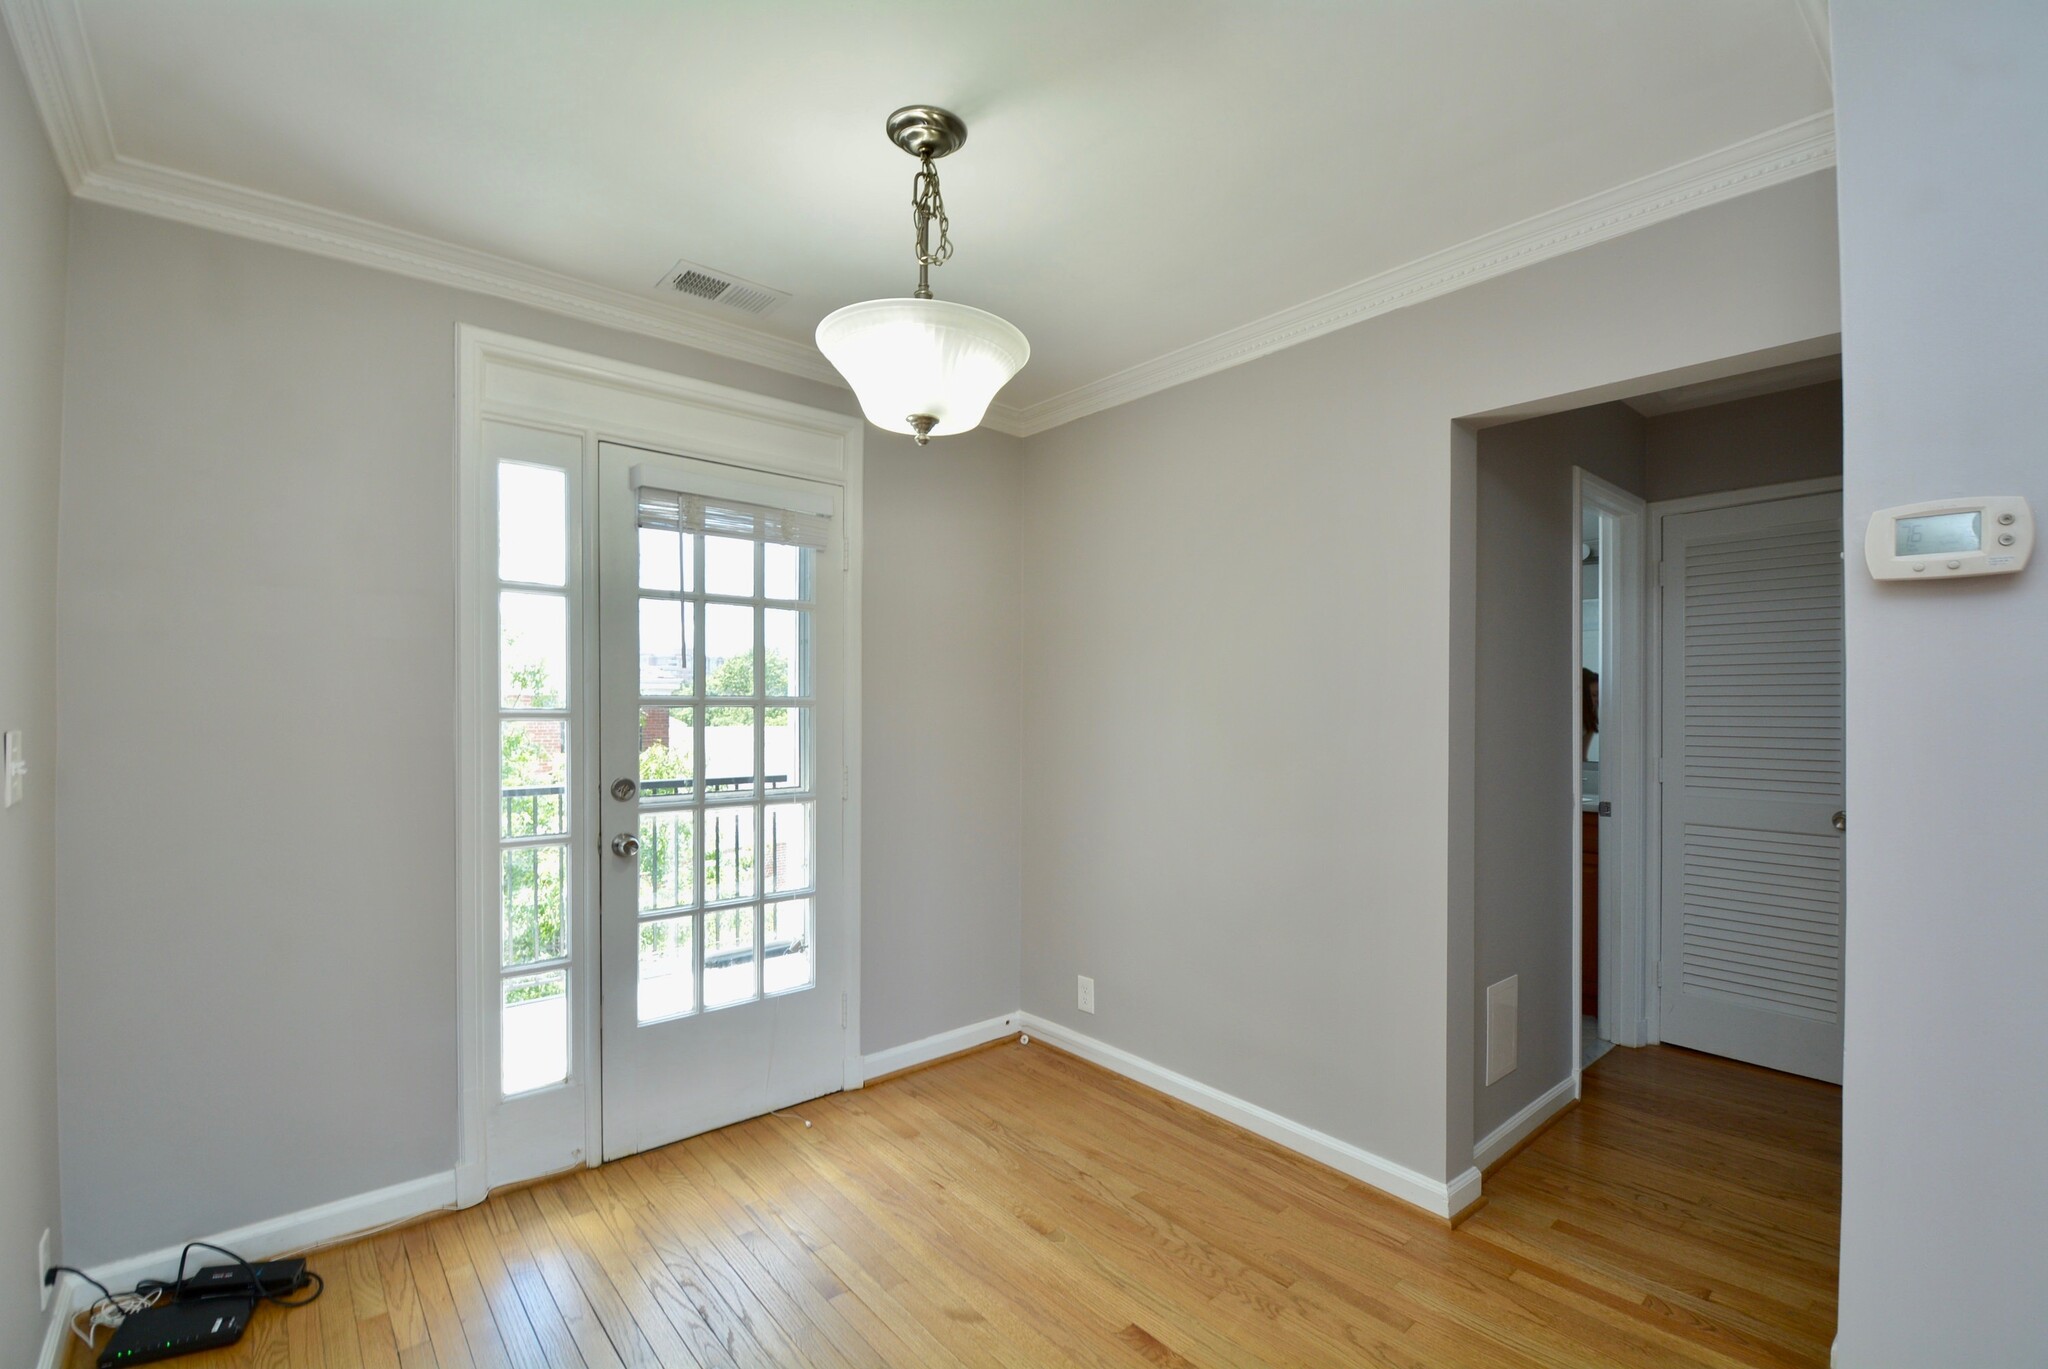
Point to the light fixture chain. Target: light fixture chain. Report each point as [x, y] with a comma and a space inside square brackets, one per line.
[927, 207]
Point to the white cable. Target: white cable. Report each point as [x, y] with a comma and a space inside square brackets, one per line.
[110, 1312]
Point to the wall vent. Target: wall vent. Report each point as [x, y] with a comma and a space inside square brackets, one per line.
[700, 282]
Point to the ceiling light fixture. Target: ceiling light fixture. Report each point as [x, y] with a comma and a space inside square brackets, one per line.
[923, 366]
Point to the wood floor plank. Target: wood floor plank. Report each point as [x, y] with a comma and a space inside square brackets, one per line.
[771, 1321]
[525, 1312]
[336, 1313]
[1021, 1207]
[601, 1326]
[445, 1331]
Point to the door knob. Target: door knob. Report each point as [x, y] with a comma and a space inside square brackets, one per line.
[625, 844]
[1841, 821]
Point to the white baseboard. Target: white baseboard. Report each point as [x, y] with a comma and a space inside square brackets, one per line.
[1434, 1196]
[295, 1231]
[57, 1336]
[1525, 1123]
[914, 1053]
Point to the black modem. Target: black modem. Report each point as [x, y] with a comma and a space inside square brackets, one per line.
[178, 1328]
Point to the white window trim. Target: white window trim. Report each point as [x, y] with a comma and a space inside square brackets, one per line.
[511, 378]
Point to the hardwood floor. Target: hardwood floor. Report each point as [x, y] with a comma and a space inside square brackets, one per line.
[1019, 1207]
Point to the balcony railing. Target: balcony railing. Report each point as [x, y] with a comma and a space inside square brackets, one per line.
[536, 809]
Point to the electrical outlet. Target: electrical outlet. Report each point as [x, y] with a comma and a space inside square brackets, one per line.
[1087, 994]
[1502, 1004]
[17, 768]
[43, 1263]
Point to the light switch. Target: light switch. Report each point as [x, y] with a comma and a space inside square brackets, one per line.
[17, 768]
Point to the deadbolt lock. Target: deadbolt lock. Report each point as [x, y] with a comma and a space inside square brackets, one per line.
[623, 790]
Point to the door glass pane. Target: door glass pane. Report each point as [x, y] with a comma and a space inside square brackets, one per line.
[533, 768]
[728, 853]
[665, 631]
[729, 749]
[668, 750]
[792, 961]
[530, 905]
[788, 672]
[666, 560]
[729, 567]
[533, 524]
[783, 749]
[533, 650]
[533, 1032]
[668, 848]
[782, 572]
[668, 972]
[786, 848]
[728, 650]
[728, 957]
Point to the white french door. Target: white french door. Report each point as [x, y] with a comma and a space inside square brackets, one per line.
[1751, 965]
[721, 606]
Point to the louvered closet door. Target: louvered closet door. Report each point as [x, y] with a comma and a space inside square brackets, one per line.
[1751, 965]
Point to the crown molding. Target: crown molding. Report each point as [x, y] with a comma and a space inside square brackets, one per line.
[1782, 154]
[50, 36]
[147, 189]
[126, 183]
[1814, 14]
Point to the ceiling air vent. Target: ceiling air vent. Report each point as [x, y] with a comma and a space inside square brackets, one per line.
[721, 288]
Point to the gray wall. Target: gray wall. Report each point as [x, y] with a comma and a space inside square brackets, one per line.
[1943, 115]
[1528, 640]
[1248, 671]
[258, 582]
[1764, 440]
[942, 845]
[32, 212]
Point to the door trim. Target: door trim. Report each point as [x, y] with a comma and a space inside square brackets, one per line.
[1652, 927]
[503, 377]
[1625, 767]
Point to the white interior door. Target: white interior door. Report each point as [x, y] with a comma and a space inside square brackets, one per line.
[723, 959]
[1751, 960]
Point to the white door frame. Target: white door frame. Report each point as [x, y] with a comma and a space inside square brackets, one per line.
[1624, 762]
[1651, 927]
[511, 379]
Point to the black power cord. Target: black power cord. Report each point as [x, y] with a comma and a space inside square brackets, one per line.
[50, 1278]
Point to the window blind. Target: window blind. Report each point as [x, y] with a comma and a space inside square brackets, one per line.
[721, 514]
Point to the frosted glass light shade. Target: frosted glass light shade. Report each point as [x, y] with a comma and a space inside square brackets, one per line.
[922, 356]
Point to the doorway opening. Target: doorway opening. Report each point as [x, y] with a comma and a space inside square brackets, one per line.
[1580, 853]
[1610, 622]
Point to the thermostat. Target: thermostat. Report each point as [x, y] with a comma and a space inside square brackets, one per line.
[1950, 538]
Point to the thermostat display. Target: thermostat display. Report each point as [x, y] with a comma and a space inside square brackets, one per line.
[1934, 532]
[1949, 538]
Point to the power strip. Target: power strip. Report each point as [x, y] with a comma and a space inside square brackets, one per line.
[257, 1279]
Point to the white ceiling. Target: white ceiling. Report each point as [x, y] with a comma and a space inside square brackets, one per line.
[1141, 175]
